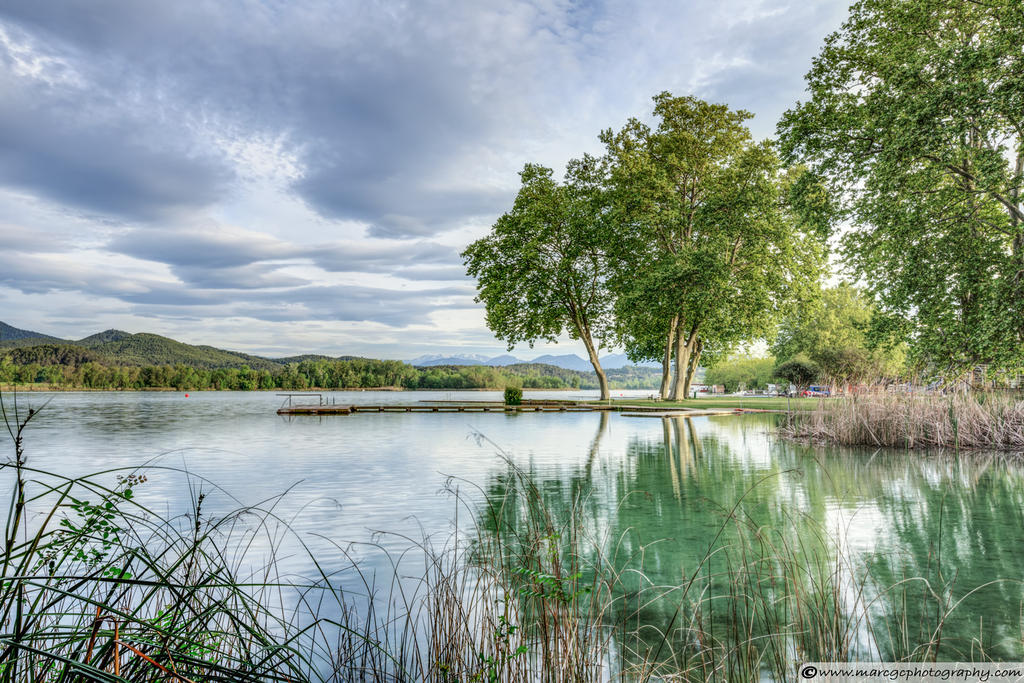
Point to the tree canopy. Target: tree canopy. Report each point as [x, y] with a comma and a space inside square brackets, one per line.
[705, 243]
[916, 120]
[741, 373]
[541, 270]
[831, 329]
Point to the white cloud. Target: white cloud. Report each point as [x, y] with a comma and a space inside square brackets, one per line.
[190, 167]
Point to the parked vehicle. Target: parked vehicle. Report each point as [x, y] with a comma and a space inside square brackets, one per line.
[816, 390]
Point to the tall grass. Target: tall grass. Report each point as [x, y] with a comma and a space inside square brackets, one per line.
[757, 602]
[96, 587]
[983, 421]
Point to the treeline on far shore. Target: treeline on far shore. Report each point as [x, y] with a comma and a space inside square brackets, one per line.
[359, 373]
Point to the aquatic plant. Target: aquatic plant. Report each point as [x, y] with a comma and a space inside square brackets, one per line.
[96, 587]
[979, 421]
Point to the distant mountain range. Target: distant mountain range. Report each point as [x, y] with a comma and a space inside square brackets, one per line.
[570, 361]
[116, 347]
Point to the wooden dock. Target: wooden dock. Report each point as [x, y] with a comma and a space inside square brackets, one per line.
[471, 407]
[527, 406]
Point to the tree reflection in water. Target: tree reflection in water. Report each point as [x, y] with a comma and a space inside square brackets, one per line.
[720, 531]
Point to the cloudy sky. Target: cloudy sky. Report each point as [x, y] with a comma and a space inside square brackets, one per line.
[298, 176]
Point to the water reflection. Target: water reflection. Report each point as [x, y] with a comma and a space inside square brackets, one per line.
[955, 526]
[657, 492]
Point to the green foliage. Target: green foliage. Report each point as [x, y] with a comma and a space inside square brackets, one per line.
[800, 371]
[52, 354]
[498, 663]
[540, 272]
[562, 589]
[914, 120]
[702, 233]
[831, 328]
[323, 373]
[93, 530]
[752, 373]
[513, 396]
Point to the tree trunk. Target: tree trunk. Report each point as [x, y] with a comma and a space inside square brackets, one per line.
[679, 370]
[1018, 236]
[602, 379]
[666, 362]
[685, 343]
[691, 367]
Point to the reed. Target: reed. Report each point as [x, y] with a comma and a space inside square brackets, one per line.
[96, 587]
[969, 421]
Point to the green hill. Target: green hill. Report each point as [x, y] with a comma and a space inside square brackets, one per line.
[12, 337]
[105, 337]
[123, 348]
[52, 354]
[302, 358]
[8, 333]
[314, 357]
[117, 347]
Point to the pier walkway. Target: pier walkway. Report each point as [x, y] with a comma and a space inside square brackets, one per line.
[527, 406]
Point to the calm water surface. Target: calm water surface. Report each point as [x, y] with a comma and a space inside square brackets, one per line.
[955, 520]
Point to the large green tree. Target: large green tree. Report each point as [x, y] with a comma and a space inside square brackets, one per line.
[705, 242]
[916, 118]
[541, 272]
[831, 328]
[745, 372]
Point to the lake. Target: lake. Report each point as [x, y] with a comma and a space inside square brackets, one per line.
[661, 485]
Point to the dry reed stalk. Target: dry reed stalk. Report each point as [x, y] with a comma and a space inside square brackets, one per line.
[986, 421]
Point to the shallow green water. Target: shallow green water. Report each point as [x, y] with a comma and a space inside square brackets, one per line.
[918, 540]
[660, 489]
